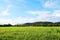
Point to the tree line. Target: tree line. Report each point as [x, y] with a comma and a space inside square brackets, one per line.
[42, 24]
[45, 24]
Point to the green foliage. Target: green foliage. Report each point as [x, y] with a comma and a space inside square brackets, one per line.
[29, 33]
[44, 24]
[5, 25]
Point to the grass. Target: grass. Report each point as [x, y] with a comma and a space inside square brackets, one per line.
[29, 33]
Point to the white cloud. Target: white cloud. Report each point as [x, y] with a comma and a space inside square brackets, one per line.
[41, 16]
[31, 12]
[46, 15]
[56, 13]
[5, 21]
[18, 20]
[23, 20]
[6, 11]
[50, 4]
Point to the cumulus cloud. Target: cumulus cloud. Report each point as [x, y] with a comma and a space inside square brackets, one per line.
[22, 20]
[18, 20]
[50, 4]
[5, 21]
[31, 12]
[6, 11]
[41, 16]
[46, 15]
[56, 13]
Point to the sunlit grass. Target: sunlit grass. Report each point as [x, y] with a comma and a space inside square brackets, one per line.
[29, 33]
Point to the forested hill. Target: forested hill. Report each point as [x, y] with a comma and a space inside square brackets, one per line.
[34, 24]
[42, 24]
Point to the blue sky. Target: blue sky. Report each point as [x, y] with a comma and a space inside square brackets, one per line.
[22, 11]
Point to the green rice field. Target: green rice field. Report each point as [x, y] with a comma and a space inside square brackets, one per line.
[29, 33]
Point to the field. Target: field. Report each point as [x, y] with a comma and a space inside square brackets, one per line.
[29, 33]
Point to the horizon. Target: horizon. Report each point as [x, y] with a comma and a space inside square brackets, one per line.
[26, 11]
